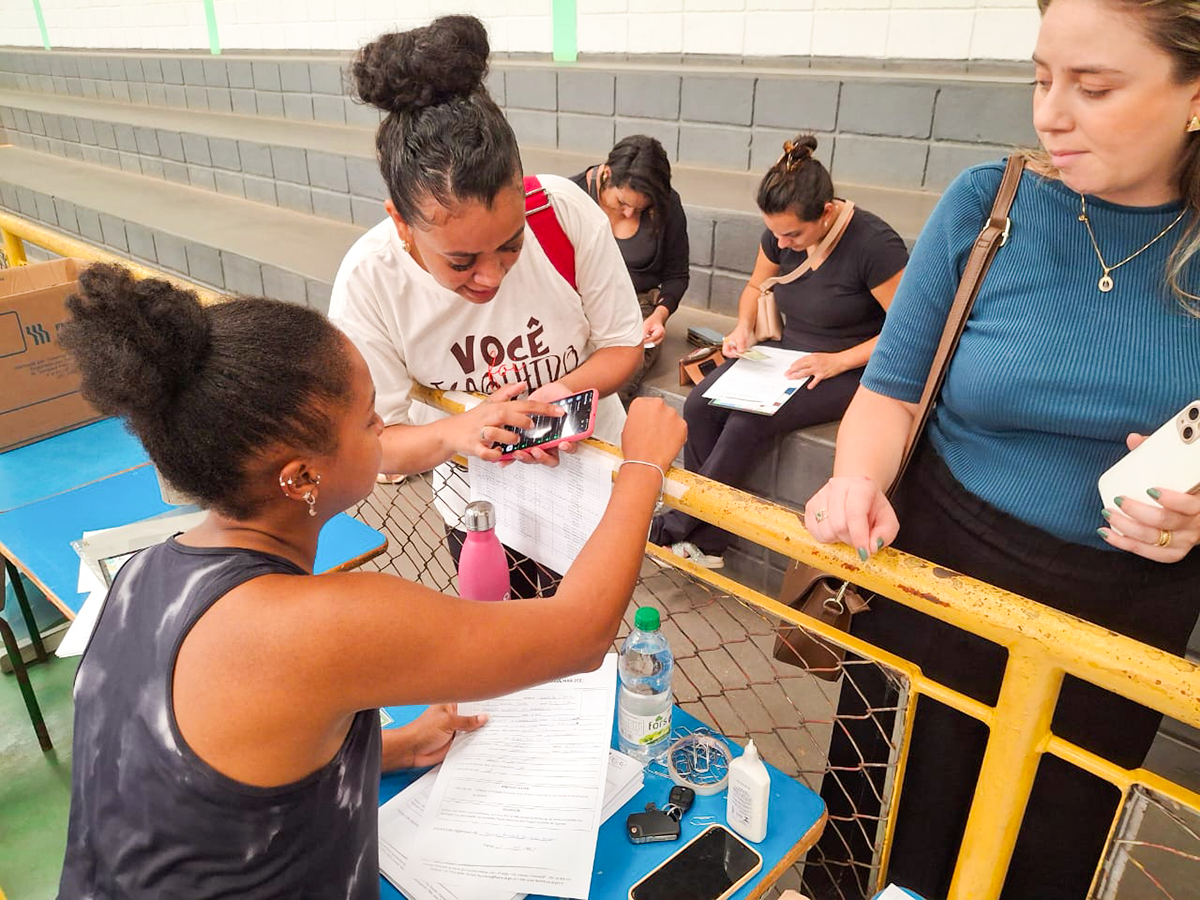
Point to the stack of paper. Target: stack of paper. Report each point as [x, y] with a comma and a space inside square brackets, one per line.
[101, 555]
[516, 806]
[401, 816]
[757, 382]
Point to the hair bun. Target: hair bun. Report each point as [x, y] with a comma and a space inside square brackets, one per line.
[147, 339]
[796, 151]
[407, 71]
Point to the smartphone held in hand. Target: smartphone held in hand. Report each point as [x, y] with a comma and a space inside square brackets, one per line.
[576, 424]
[1169, 458]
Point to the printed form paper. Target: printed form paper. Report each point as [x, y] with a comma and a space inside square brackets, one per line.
[547, 514]
[400, 820]
[758, 385]
[518, 804]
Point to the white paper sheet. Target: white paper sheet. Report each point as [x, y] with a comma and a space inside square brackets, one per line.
[107, 546]
[547, 514]
[518, 804]
[758, 385]
[75, 641]
[400, 819]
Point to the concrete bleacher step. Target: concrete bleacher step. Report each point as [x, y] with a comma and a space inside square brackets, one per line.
[242, 154]
[225, 242]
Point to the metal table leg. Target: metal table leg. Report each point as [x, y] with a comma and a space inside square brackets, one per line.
[18, 663]
[35, 634]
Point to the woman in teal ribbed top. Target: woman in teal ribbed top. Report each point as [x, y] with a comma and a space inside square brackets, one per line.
[1084, 338]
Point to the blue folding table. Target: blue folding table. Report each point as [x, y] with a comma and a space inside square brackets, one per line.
[796, 818]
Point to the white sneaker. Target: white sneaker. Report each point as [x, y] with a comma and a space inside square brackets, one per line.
[688, 550]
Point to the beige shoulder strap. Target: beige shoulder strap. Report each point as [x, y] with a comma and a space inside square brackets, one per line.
[818, 254]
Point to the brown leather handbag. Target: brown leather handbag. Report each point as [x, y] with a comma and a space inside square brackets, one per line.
[832, 600]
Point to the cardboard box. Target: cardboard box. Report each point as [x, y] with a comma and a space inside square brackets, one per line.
[39, 383]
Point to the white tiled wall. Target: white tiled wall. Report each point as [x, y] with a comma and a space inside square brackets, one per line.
[907, 29]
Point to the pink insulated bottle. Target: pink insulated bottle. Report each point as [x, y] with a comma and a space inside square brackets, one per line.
[482, 565]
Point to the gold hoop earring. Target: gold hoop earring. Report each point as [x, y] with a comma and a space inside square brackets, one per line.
[1194, 124]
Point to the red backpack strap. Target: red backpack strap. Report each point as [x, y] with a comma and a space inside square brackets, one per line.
[549, 231]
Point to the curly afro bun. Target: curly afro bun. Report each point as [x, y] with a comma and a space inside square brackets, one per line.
[410, 70]
[216, 394]
[155, 338]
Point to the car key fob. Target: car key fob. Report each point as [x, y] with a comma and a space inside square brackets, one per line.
[651, 826]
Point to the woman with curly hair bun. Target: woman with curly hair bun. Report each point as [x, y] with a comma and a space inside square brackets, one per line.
[227, 739]
[453, 289]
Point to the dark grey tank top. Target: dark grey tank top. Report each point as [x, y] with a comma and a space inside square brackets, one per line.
[148, 817]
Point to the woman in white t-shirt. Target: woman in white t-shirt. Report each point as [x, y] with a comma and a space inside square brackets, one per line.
[453, 289]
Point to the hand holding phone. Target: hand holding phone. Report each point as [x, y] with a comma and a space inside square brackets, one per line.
[1169, 458]
[576, 424]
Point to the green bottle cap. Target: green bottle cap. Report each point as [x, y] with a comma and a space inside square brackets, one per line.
[646, 619]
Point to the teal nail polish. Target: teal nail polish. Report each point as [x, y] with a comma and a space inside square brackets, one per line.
[862, 553]
[1154, 492]
[878, 544]
[1106, 513]
[1118, 500]
[1102, 532]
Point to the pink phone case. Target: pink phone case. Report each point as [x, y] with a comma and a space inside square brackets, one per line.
[578, 436]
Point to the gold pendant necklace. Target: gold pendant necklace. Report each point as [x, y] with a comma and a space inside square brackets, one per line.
[1105, 284]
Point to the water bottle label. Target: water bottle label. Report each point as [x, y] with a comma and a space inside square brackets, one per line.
[643, 730]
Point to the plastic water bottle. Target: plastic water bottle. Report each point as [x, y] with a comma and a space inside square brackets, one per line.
[644, 697]
[482, 565]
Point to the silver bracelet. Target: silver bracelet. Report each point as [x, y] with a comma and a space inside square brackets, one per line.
[661, 474]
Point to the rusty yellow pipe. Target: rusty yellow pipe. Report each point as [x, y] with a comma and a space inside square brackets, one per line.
[1117, 663]
[19, 229]
[1023, 713]
[14, 248]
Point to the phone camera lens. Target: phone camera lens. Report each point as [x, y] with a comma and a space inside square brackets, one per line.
[1188, 432]
[1194, 413]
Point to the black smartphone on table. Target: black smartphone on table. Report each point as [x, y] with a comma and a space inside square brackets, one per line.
[711, 866]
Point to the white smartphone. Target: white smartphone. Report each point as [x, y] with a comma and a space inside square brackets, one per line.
[711, 866]
[1169, 458]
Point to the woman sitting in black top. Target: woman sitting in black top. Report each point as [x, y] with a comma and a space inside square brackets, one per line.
[835, 313]
[633, 187]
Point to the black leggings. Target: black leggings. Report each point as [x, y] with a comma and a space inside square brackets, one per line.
[1069, 813]
[724, 445]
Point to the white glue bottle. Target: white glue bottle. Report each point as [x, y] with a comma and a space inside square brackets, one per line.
[749, 794]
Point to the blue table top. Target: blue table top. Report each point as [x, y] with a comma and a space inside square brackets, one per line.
[37, 536]
[65, 461]
[619, 864]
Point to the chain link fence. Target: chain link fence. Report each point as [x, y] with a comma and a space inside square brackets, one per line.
[725, 676]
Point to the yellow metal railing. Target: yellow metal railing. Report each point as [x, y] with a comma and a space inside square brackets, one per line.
[17, 230]
[1043, 643]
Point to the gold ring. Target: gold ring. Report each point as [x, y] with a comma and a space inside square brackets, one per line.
[821, 515]
[1164, 537]
[482, 436]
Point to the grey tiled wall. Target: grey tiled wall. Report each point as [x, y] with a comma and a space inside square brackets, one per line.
[891, 129]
